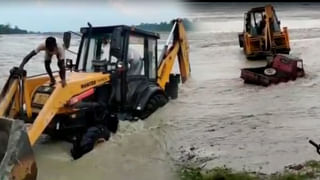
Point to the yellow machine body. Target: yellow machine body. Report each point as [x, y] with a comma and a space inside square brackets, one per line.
[260, 41]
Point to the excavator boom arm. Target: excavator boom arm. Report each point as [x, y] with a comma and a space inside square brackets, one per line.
[268, 31]
[180, 49]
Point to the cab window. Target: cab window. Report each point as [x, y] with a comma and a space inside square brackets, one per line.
[136, 55]
[98, 50]
[152, 70]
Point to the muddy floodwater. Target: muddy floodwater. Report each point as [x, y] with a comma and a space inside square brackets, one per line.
[217, 119]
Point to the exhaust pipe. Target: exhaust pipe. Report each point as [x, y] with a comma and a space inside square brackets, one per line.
[16, 154]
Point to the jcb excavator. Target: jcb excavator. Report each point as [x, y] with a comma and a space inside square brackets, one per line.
[262, 35]
[98, 88]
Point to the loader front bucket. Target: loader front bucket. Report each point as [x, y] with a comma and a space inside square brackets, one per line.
[16, 154]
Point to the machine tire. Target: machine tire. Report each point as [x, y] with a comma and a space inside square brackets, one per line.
[87, 141]
[152, 105]
[112, 123]
[161, 99]
[270, 72]
[240, 36]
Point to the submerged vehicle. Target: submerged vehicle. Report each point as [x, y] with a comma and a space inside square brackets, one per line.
[262, 35]
[282, 68]
[101, 89]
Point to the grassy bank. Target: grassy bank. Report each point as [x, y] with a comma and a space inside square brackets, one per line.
[307, 170]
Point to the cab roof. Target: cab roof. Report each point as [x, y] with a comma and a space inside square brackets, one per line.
[109, 29]
[259, 9]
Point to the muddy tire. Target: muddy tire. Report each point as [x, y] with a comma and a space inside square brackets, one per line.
[151, 107]
[161, 99]
[88, 140]
[156, 101]
[240, 36]
[112, 123]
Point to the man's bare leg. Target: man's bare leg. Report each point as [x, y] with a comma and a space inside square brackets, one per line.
[49, 71]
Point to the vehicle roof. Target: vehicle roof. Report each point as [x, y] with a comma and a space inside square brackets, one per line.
[260, 9]
[257, 9]
[109, 29]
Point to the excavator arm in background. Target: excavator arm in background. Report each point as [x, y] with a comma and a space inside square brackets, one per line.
[258, 41]
[179, 49]
[268, 30]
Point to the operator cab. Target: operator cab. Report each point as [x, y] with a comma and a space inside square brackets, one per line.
[102, 48]
[255, 21]
[127, 53]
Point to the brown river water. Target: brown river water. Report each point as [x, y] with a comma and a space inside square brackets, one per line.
[217, 120]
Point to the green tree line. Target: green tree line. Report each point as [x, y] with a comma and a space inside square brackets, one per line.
[165, 26]
[7, 29]
[162, 26]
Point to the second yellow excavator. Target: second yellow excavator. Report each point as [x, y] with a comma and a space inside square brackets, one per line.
[107, 82]
[262, 35]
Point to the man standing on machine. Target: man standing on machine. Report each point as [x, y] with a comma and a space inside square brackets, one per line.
[51, 48]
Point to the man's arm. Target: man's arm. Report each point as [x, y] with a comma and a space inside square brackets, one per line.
[27, 58]
[41, 47]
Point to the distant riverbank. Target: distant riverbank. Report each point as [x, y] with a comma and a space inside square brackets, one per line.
[7, 29]
[166, 26]
[157, 27]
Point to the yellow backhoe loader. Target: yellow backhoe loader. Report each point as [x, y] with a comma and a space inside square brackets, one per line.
[262, 35]
[103, 85]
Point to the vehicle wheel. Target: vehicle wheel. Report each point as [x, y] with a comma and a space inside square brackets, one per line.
[88, 140]
[240, 36]
[270, 71]
[161, 99]
[152, 106]
[241, 43]
[112, 123]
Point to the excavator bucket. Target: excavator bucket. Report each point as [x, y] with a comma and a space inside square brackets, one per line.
[16, 155]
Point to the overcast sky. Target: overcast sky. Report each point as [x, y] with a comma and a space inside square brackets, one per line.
[62, 15]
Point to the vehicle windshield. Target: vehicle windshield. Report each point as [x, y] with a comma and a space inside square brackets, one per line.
[258, 23]
[136, 55]
[99, 50]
